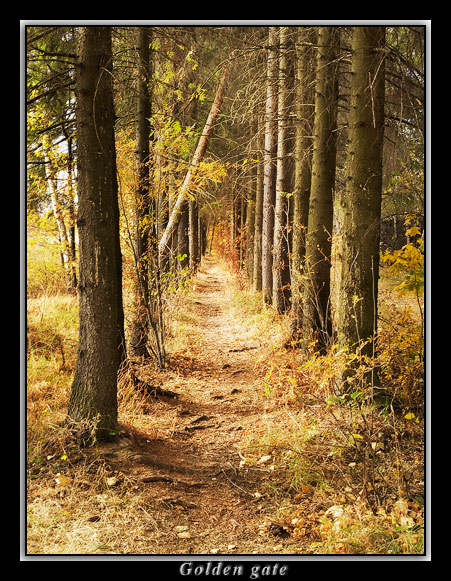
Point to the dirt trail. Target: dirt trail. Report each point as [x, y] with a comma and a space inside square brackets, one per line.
[193, 479]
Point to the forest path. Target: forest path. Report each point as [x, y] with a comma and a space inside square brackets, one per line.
[198, 498]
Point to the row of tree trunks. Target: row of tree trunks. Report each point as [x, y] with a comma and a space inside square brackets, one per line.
[298, 232]
[101, 349]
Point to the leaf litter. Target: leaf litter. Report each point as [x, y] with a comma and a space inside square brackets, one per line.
[236, 495]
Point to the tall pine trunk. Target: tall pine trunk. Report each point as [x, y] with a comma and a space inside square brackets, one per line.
[357, 308]
[269, 168]
[305, 113]
[317, 307]
[101, 347]
[145, 230]
[257, 262]
[280, 267]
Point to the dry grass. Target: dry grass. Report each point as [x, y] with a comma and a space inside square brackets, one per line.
[333, 493]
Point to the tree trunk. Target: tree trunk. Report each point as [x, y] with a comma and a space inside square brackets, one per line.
[357, 309]
[101, 337]
[71, 232]
[183, 238]
[305, 110]
[250, 226]
[258, 220]
[280, 268]
[194, 254]
[270, 155]
[143, 203]
[317, 308]
[242, 231]
[174, 217]
[59, 217]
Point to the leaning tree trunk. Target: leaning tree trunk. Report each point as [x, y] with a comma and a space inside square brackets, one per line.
[101, 337]
[357, 308]
[317, 307]
[180, 203]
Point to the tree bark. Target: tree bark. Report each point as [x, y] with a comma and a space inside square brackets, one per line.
[145, 230]
[59, 217]
[357, 309]
[270, 155]
[305, 112]
[317, 307]
[183, 238]
[71, 196]
[101, 347]
[257, 277]
[194, 254]
[250, 225]
[284, 183]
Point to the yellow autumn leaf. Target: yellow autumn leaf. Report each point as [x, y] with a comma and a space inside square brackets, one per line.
[356, 299]
[62, 480]
[409, 416]
[414, 231]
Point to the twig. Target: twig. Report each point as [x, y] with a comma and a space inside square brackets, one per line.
[179, 502]
[241, 349]
[236, 485]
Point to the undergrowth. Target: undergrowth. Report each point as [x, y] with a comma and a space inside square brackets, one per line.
[347, 469]
[351, 460]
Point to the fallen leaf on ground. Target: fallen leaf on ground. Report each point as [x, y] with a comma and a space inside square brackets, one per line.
[62, 480]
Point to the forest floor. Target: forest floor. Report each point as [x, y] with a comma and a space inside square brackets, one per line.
[177, 481]
[186, 476]
[210, 504]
